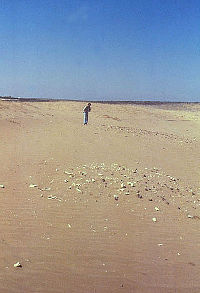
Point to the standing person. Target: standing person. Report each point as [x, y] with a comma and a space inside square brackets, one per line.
[86, 110]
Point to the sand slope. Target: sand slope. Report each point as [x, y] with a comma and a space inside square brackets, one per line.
[78, 201]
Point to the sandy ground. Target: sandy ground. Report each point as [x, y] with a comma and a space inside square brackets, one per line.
[113, 206]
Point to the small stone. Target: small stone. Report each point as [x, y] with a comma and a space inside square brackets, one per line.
[32, 185]
[189, 216]
[154, 220]
[52, 197]
[157, 209]
[68, 173]
[84, 173]
[69, 225]
[2, 186]
[46, 189]
[116, 197]
[131, 184]
[17, 265]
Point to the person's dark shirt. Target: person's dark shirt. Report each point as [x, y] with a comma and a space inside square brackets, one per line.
[87, 109]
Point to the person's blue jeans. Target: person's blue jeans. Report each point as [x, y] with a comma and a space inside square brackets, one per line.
[85, 120]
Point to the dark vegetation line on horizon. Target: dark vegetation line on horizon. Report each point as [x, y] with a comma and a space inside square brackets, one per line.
[141, 102]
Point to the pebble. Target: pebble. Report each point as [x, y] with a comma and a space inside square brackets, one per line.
[2, 186]
[130, 183]
[17, 265]
[46, 189]
[32, 185]
[116, 197]
[68, 173]
[154, 220]
[157, 209]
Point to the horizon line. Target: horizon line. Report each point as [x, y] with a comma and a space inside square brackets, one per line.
[21, 99]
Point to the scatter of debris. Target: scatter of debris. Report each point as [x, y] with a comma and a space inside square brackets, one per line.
[93, 181]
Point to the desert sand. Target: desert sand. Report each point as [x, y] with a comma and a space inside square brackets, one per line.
[113, 206]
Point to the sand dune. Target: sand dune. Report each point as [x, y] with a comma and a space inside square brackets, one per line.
[113, 206]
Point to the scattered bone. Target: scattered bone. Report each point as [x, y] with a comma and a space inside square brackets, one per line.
[153, 185]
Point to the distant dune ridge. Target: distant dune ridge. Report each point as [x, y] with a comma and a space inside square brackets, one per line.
[111, 206]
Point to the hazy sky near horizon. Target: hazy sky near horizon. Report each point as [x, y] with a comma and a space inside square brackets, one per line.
[102, 49]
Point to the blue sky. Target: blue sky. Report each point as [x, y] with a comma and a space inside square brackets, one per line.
[100, 49]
